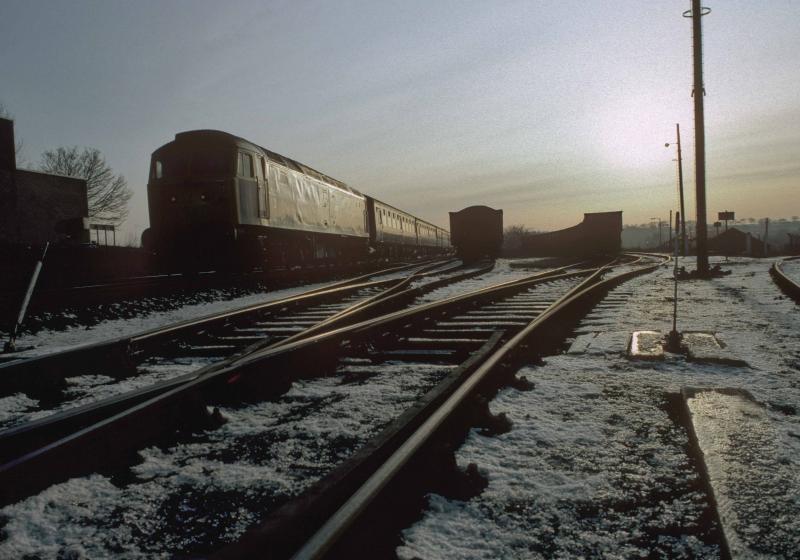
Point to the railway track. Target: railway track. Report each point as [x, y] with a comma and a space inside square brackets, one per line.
[76, 298]
[445, 342]
[153, 361]
[785, 282]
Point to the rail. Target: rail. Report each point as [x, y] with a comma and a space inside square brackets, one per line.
[349, 512]
[121, 425]
[789, 286]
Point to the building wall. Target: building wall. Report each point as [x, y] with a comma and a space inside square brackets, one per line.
[38, 207]
[50, 208]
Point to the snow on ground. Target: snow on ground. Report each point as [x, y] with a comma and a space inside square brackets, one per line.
[595, 465]
[792, 269]
[84, 389]
[192, 497]
[48, 340]
[502, 272]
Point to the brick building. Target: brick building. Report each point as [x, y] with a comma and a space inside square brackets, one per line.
[37, 207]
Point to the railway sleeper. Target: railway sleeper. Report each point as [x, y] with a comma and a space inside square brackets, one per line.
[450, 343]
[287, 527]
[405, 497]
[433, 470]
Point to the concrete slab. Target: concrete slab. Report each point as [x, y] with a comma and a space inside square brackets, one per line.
[705, 347]
[599, 343]
[746, 475]
[646, 345]
[581, 343]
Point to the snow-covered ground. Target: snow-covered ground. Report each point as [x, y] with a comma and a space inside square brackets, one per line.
[792, 269]
[192, 497]
[47, 341]
[596, 464]
[83, 389]
[502, 272]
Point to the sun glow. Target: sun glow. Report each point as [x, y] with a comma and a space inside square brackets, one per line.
[631, 135]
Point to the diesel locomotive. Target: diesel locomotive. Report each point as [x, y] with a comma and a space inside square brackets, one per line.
[219, 201]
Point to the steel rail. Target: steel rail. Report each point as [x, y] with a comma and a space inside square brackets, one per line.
[377, 303]
[116, 436]
[95, 293]
[787, 285]
[26, 373]
[39, 431]
[337, 525]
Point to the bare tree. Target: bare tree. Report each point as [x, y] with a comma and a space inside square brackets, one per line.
[108, 193]
[513, 237]
[4, 114]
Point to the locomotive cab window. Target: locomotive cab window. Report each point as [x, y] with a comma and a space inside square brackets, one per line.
[169, 166]
[245, 165]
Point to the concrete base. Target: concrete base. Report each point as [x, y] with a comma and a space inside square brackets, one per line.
[599, 343]
[646, 345]
[705, 348]
[700, 347]
[739, 461]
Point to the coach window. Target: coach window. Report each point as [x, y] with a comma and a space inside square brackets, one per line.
[159, 169]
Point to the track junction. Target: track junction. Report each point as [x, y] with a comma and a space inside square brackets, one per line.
[299, 444]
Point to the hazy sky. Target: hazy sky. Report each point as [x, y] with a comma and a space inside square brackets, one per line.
[546, 109]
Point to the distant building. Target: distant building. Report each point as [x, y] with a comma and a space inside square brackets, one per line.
[736, 242]
[37, 207]
[793, 246]
[599, 233]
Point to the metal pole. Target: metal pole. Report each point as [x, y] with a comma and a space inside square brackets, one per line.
[11, 345]
[670, 228]
[674, 338]
[699, 137]
[680, 190]
[675, 293]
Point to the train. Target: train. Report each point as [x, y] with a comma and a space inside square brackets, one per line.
[477, 232]
[216, 200]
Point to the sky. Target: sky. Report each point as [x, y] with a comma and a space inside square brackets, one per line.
[544, 108]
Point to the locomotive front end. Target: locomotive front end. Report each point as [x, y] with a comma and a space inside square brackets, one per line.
[192, 204]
